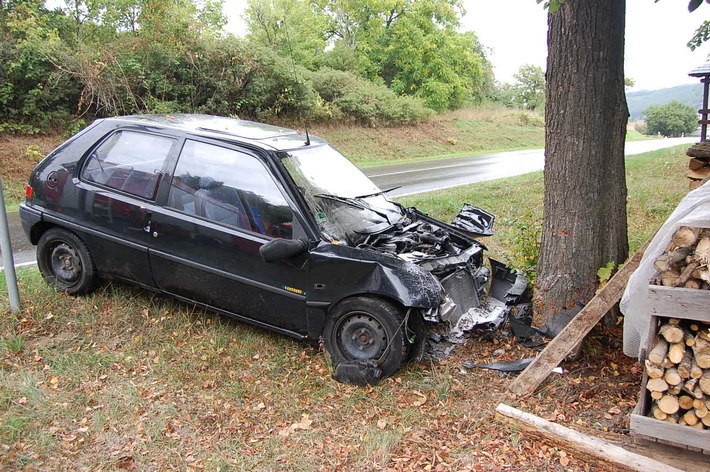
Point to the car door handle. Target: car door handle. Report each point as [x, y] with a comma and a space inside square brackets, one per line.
[148, 224]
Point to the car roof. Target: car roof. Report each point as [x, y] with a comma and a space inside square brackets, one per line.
[226, 129]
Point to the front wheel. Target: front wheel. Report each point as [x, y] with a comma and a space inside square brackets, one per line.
[65, 262]
[364, 332]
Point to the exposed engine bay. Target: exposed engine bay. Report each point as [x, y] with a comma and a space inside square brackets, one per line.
[476, 290]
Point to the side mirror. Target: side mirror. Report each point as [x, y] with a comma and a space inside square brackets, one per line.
[282, 249]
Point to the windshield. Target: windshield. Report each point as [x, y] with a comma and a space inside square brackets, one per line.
[345, 203]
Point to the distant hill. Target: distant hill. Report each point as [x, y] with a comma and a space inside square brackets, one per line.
[692, 94]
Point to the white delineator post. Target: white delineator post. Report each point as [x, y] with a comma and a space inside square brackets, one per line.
[7, 259]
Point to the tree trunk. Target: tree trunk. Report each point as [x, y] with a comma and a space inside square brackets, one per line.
[584, 225]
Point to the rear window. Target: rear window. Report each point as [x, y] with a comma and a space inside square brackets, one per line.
[129, 161]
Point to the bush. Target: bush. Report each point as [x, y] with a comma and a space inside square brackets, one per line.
[365, 102]
[672, 119]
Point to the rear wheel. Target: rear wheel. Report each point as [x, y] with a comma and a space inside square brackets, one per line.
[65, 262]
[364, 330]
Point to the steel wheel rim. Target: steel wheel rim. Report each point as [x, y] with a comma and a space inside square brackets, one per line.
[65, 263]
[360, 336]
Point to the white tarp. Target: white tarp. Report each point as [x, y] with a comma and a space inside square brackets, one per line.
[693, 210]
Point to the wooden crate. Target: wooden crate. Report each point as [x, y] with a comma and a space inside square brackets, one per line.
[667, 302]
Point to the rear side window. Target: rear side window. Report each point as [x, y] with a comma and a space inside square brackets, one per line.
[129, 161]
[230, 188]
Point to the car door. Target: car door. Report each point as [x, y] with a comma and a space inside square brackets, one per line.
[223, 205]
[118, 184]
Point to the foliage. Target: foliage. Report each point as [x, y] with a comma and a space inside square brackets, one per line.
[672, 119]
[702, 34]
[411, 46]
[641, 127]
[33, 93]
[362, 101]
[524, 244]
[98, 58]
[529, 88]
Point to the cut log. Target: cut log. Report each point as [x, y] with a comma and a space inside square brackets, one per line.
[706, 421]
[698, 174]
[685, 363]
[701, 412]
[667, 363]
[676, 351]
[655, 371]
[672, 377]
[701, 351]
[695, 284]
[686, 275]
[689, 338]
[695, 164]
[690, 418]
[669, 260]
[669, 277]
[672, 334]
[686, 402]
[657, 413]
[698, 392]
[668, 404]
[695, 371]
[656, 385]
[675, 389]
[656, 395]
[704, 382]
[685, 236]
[658, 353]
[689, 386]
[702, 252]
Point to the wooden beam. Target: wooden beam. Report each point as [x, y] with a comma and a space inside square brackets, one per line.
[557, 349]
[580, 443]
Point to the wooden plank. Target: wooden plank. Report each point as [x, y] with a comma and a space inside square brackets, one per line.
[581, 443]
[680, 458]
[676, 434]
[557, 349]
[679, 302]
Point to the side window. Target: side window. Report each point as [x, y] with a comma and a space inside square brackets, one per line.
[130, 162]
[230, 188]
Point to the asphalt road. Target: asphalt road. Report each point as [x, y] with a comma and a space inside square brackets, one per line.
[419, 177]
[416, 177]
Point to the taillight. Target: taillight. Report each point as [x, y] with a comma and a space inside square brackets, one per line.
[29, 191]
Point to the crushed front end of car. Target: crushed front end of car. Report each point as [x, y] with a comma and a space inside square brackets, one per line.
[476, 290]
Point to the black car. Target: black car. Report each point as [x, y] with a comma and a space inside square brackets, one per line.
[263, 224]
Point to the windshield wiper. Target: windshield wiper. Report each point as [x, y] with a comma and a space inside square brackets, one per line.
[381, 192]
[353, 202]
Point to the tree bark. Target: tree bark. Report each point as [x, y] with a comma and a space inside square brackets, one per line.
[584, 225]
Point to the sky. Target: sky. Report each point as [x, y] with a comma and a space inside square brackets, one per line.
[515, 32]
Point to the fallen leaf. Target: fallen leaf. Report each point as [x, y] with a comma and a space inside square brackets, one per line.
[382, 424]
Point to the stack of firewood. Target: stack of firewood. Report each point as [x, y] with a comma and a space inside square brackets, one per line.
[678, 368]
[685, 262]
[699, 164]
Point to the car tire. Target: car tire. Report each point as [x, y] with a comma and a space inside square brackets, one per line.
[365, 330]
[65, 262]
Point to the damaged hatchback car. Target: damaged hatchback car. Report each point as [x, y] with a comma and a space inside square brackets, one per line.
[265, 225]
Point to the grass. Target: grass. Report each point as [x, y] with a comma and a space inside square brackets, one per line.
[124, 378]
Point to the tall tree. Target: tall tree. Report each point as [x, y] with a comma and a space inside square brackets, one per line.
[530, 87]
[584, 222]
